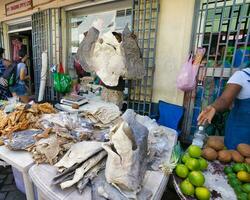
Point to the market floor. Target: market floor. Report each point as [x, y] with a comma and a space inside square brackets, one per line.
[9, 191]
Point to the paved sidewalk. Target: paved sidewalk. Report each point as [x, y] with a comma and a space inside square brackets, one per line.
[8, 190]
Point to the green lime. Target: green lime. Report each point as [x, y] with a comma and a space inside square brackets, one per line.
[196, 178]
[237, 190]
[202, 193]
[228, 170]
[194, 151]
[181, 170]
[234, 183]
[203, 164]
[193, 164]
[187, 188]
[185, 157]
[242, 196]
[246, 187]
[247, 166]
[239, 167]
[231, 175]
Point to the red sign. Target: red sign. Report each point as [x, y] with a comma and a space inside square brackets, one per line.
[18, 6]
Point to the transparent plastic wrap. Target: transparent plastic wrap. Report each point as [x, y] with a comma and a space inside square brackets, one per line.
[160, 140]
[67, 125]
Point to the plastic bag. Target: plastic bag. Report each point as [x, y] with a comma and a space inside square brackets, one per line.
[62, 83]
[186, 80]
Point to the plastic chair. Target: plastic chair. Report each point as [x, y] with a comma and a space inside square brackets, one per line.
[170, 115]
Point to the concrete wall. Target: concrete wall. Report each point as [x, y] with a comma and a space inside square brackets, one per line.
[173, 41]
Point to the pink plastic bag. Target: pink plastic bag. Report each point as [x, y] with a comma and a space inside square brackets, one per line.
[186, 80]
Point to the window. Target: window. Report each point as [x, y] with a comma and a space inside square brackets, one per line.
[79, 23]
[222, 27]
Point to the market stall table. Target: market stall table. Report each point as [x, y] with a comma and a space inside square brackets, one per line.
[42, 176]
[22, 161]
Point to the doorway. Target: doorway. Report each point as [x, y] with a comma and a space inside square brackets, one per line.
[17, 39]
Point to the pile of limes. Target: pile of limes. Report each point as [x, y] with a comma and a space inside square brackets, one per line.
[191, 171]
[238, 176]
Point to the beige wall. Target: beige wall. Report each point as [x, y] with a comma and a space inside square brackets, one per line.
[41, 5]
[173, 40]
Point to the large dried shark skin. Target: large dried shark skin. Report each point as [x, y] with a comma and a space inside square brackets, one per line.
[85, 49]
[86, 166]
[78, 153]
[127, 156]
[134, 64]
[90, 175]
[108, 60]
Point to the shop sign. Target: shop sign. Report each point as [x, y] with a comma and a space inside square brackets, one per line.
[18, 6]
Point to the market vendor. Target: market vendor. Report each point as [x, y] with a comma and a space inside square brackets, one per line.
[238, 123]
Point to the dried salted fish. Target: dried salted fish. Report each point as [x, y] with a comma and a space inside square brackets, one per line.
[78, 153]
[21, 140]
[86, 166]
[44, 134]
[48, 148]
[24, 117]
[90, 175]
[127, 155]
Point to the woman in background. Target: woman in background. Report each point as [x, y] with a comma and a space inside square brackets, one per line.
[20, 88]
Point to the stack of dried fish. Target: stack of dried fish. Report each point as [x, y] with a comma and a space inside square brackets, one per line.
[69, 126]
[102, 115]
[24, 117]
[80, 165]
[50, 149]
[61, 131]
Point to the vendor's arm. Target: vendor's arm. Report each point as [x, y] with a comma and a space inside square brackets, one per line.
[221, 104]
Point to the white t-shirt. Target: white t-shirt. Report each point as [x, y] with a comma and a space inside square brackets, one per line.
[241, 78]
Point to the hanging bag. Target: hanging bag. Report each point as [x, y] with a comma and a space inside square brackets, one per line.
[186, 80]
[62, 81]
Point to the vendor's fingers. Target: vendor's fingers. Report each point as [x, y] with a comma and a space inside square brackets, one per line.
[202, 121]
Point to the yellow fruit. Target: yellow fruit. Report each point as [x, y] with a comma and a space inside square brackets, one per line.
[202, 193]
[181, 170]
[194, 151]
[193, 164]
[187, 188]
[243, 176]
[196, 178]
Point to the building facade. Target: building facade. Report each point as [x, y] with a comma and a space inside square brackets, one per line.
[167, 31]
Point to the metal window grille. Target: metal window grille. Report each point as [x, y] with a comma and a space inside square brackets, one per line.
[222, 27]
[144, 25]
[46, 35]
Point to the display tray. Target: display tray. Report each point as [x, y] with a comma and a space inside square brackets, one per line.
[215, 181]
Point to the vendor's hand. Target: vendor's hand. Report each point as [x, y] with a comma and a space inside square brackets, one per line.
[206, 115]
